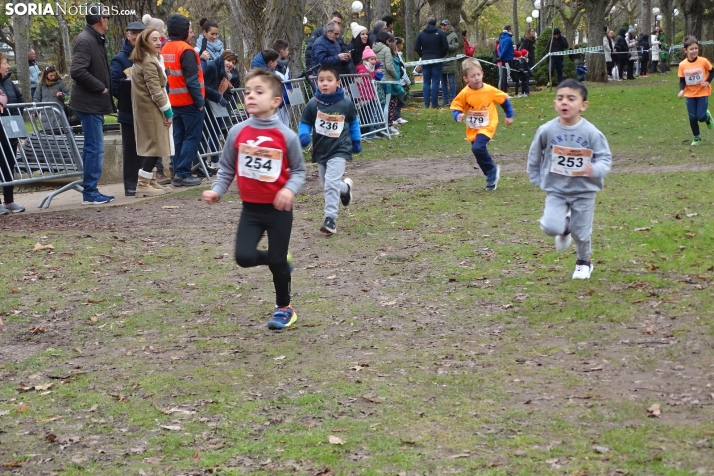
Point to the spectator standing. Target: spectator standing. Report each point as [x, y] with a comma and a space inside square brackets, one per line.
[633, 56]
[9, 94]
[622, 52]
[335, 18]
[360, 40]
[654, 47]
[528, 44]
[157, 24]
[555, 44]
[404, 80]
[34, 72]
[448, 72]
[663, 53]
[152, 126]
[91, 97]
[505, 57]
[431, 44]
[51, 89]
[644, 47]
[607, 48]
[121, 89]
[469, 50]
[208, 39]
[378, 26]
[383, 49]
[216, 117]
[187, 94]
[389, 24]
[328, 50]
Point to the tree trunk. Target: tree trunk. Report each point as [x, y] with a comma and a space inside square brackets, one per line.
[667, 7]
[447, 10]
[516, 36]
[693, 11]
[410, 28]
[646, 16]
[380, 9]
[594, 14]
[22, 47]
[65, 48]
[260, 22]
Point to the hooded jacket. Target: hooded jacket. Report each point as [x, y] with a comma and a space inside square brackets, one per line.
[556, 44]
[505, 46]
[121, 86]
[177, 27]
[431, 43]
[621, 43]
[90, 74]
[452, 39]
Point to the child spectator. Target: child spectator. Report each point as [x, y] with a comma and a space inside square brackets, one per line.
[368, 106]
[695, 77]
[469, 50]
[520, 72]
[569, 158]
[476, 106]
[332, 120]
[265, 158]
[404, 80]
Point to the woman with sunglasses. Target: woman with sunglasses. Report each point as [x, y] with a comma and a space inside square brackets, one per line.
[51, 89]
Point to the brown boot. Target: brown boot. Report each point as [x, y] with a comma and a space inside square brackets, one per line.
[154, 182]
[162, 179]
[144, 188]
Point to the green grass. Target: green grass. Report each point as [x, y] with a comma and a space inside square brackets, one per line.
[439, 332]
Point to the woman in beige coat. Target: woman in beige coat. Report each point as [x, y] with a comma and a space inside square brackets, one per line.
[152, 110]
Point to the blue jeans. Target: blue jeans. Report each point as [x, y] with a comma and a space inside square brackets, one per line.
[448, 87]
[432, 78]
[92, 153]
[697, 109]
[188, 125]
[483, 158]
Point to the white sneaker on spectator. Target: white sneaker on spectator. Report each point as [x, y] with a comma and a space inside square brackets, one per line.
[393, 131]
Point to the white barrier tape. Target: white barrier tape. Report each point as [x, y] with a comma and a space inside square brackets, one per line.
[434, 61]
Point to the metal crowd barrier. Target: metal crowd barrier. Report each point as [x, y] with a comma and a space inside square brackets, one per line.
[362, 90]
[37, 145]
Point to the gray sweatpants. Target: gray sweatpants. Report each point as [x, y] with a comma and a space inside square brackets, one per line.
[582, 211]
[331, 179]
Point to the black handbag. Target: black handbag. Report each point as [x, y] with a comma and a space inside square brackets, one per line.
[72, 116]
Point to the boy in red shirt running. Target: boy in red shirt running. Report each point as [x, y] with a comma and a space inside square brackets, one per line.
[266, 159]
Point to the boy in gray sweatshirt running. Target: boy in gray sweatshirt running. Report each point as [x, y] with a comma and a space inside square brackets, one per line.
[569, 158]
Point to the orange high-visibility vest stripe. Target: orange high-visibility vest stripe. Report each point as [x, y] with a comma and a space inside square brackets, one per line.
[178, 90]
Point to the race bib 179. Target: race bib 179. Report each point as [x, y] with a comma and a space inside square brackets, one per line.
[259, 163]
[570, 162]
[476, 119]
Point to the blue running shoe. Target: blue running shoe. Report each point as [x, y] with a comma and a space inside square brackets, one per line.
[492, 179]
[97, 199]
[282, 317]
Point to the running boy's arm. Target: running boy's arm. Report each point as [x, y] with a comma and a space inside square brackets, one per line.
[602, 157]
[355, 134]
[502, 99]
[535, 156]
[298, 171]
[306, 122]
[458, 105]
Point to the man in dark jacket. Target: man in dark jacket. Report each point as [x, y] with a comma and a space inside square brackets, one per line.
[505, 57]
[557, 43]
[327, 49]
[431, 44]
[91, 96]
[623, 52]
[343, 67]
[121, 90]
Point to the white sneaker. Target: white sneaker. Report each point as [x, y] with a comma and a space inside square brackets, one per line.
[393, 131]
[401, 121]
[347, 198]
[562, 242]
[583, 269]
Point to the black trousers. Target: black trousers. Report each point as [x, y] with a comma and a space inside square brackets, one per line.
[255, 220]
[622, 61]
[131, 161]
[7, 165]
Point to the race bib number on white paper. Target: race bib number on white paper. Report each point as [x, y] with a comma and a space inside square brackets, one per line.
[259, 163]
[570, 162]
[328, 125]
[476, 119]
[693, 77]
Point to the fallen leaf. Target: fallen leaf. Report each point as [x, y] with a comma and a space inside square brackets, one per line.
[93, 408]
[22, 408]
[170, 207]
[654, 411]
[40, 247]
[13, 464]
[335, 440]
[650, 331]
[600, 449]
[282, 357]
[93, 319]
[171, 427]
[460, 455]
[652, 266]
[370, 398]
[646, 228]
[691, 235]
[197, 455]
[4, 412]
[51, 437]
[43, 387]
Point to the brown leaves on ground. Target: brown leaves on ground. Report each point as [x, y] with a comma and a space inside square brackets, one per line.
[335, 440]
[28, 388]
[40, 247]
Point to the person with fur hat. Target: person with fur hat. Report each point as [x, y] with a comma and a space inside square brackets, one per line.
[555, 44]
[187, 95]
[157, 24]
[360, 40]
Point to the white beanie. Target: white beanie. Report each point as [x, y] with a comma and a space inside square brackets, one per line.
[154, 23]
[356, 29]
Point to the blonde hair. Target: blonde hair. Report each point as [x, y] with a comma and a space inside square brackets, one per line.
[470, 63]
[142, 47]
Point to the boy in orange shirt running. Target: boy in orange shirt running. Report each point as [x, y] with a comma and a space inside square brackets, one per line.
[476, 105]
[695, 77]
